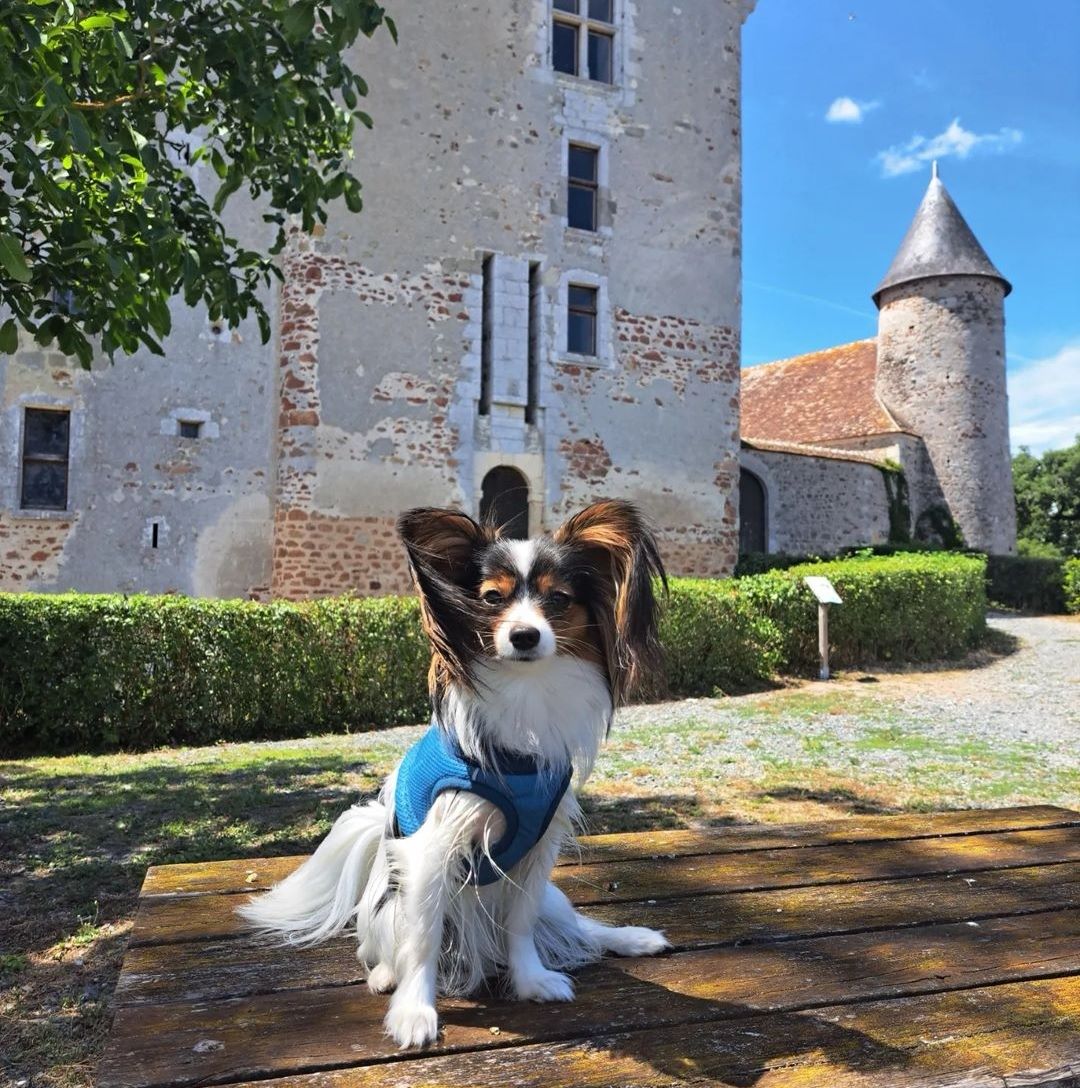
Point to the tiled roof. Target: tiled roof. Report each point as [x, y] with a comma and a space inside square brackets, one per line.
[801, 449]
[815, 399]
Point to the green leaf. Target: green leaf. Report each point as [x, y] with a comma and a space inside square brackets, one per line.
[13, 259]
[299, 20]
[97, 22]
[9, 337]
[81, 139]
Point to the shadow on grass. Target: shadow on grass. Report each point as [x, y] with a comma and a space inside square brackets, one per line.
[848, 801]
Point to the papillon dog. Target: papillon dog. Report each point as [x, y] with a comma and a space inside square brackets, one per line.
[447, 877]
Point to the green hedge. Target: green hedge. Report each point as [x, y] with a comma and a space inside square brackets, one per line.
[85, 673]
[906, 607]
[1071, 585]
[81, 672]
[1026, 582]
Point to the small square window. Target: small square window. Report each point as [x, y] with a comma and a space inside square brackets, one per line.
[583, 169]
[581, 320]
[600, 10]
[564, 48]
[190, 428]
[600, 57]
[46, 435]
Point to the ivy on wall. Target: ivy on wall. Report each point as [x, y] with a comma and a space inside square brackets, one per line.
[896, 496]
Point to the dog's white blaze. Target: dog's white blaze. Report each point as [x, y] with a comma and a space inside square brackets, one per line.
[522, 554]
[525, 613]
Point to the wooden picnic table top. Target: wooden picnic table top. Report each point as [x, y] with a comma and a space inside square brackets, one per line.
[897, 951]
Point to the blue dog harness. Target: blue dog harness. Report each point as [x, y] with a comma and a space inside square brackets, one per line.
[526, 796]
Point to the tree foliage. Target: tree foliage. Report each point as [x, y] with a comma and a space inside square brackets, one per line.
[1048, 500]
[125, 125]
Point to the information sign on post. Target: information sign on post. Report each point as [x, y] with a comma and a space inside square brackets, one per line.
[826, 595]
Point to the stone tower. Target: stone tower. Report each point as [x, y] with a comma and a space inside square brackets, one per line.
[941, 372]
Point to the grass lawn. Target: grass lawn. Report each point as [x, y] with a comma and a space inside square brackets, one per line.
[79, 832]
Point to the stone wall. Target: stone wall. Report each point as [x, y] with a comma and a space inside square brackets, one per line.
[818, 505]
[366, 401]
[941, 372]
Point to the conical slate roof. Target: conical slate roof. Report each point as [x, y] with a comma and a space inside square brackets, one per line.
[938, 243]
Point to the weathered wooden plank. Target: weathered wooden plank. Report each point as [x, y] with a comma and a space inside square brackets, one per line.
[210, 968]
[178, 918]
[280, 1033]
[259, 873]
[1010, 1035]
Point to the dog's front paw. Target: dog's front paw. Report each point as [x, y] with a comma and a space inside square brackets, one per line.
[410, 1024]
[544, 986]
[637, 941]
[381, 979]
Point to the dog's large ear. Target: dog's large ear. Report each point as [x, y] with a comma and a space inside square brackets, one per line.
[444, 549]
[619, 550]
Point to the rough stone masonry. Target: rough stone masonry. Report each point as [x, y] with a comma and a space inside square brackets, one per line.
[427, 341]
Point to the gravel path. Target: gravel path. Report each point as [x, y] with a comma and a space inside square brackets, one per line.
[1000, 728]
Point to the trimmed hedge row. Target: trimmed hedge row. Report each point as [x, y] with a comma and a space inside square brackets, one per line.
[1034, 584]
[1071, 585]
[89, 673]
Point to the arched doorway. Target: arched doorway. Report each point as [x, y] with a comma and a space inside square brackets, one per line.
[504, 501]
[753, 536]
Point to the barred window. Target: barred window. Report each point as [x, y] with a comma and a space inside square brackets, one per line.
[581, 319]
[46, 443]
[583, 38]
[583, 166]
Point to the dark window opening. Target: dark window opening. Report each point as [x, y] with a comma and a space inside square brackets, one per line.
[46, 446]
[601, 52]
[581, 320]
[504, 501]
[154, 535]
[583, 174]
[533, 402]
[564, 48]
[190, 428]
[487, 305]
[583, 33]
[752, 529]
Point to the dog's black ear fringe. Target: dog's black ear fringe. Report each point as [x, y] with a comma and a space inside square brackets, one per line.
[617, 543]
[444, 549]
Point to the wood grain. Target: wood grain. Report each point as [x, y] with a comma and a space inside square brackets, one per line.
[210, 968]
[1023, 1034]
[174, 918]
[194, 878]
[279, 1033]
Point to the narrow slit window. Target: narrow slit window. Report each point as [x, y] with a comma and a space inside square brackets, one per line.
[581, 320]
[533, 403]
[487, 305]
[582, 184]
[583, 38]
[46, 449]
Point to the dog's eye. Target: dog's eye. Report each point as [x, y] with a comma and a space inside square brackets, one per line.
[560, 599]
[493, 596]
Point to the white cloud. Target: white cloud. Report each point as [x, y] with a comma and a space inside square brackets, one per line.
[955, 140]
[847, 111]
[1044, 401]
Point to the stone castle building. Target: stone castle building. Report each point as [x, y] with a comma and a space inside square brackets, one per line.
[540, 305]
[905, 434]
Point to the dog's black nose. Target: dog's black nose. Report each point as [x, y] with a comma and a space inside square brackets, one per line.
[524, 638]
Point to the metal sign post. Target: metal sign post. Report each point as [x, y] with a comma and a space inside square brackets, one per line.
[826, 595]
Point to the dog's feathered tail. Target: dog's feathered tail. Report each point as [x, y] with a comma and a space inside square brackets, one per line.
[319, 899]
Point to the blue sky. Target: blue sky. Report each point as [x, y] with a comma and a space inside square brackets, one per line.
[843, 106]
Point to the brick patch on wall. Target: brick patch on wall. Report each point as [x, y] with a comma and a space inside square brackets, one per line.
[31, 550]
[318, 555]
